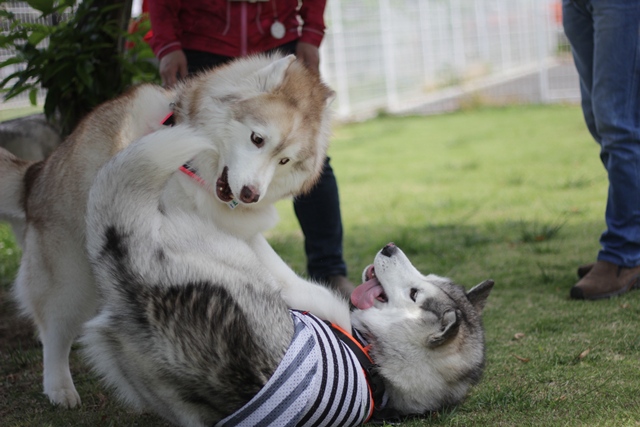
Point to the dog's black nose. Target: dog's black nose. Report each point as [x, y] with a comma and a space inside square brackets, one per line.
[249, 194]
[389, 250]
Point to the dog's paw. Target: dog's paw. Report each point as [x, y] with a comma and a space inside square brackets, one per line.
[321, 302]
[332, 306]
[337, 317]
[64, 397]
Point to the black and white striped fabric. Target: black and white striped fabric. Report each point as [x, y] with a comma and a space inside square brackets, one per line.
[318, 383]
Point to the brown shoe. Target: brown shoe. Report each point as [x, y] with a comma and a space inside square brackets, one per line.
[605, 280]
[584, 269]
[341, 284]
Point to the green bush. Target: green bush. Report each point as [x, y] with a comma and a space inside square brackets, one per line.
[84, 63]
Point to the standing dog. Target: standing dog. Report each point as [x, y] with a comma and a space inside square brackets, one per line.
[266, 123]
[196, 327]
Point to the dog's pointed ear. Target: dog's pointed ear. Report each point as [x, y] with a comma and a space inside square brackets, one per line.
[272, 75]
[449, 325]
[478, 294]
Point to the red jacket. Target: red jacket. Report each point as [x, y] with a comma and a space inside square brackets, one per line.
[230, 27]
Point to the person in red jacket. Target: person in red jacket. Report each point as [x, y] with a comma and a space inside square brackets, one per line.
[184, 32]
[193, 35]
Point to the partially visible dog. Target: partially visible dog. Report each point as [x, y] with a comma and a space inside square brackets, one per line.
[22, 141]
[197, 328]
[29, 138]
[266, 123]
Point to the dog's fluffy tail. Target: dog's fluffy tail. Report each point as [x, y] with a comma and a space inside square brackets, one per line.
[12, 189]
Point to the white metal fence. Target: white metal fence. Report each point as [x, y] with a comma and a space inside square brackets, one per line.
[434, 55]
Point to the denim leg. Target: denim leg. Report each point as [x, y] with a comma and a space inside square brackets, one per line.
[604, 35]
[319, 215]
[578, 26]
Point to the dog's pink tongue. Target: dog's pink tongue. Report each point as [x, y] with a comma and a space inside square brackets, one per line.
[364, 295]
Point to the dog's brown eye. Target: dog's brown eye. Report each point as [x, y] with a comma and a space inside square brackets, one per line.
[284, 161]
[257, 140]
[413, 294]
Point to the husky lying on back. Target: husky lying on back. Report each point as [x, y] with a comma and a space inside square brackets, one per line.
[196, 328]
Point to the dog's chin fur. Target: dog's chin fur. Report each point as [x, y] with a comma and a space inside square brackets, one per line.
[419, 379]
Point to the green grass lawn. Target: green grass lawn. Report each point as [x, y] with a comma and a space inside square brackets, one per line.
[514, 194]
[19, 112]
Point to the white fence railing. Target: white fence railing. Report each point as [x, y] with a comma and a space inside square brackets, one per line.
[431, 55]
[395, 55]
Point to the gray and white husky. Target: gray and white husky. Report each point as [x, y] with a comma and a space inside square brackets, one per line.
[195, 327]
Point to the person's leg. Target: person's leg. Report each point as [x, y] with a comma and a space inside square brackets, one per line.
[578, 27]
[609, 68]
[616, 106]
[318, 213]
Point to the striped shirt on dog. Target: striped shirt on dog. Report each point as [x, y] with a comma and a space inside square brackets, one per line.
[319, 382]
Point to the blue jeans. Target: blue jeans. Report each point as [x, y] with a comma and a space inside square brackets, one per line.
[605, 40]
[318, 211]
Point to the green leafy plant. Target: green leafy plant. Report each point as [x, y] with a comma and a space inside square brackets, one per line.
[83, 64]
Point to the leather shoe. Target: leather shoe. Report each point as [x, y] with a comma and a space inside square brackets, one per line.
[606, 280]
[584, 269]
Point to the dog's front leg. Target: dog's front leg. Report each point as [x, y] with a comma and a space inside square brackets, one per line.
[299, 293]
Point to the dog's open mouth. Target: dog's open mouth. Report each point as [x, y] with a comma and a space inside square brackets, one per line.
[223, 191]
[365, 295]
